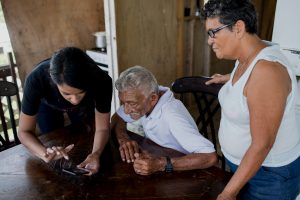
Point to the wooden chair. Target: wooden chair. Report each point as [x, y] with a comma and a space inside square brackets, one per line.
[10, 71]
[208, 108]
[7, 91]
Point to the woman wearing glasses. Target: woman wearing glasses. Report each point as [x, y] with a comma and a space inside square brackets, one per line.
[258, 132]
[68, 86]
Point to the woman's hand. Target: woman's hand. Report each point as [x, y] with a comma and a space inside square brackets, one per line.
[57, 152]
[91, 163]
[226, 196]
[218, 78]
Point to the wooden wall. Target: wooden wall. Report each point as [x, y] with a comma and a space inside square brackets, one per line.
[146, 36]
[37, 28]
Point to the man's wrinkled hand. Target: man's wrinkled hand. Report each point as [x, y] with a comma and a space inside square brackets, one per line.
[91, 163]
[127, 149]
[146, 163]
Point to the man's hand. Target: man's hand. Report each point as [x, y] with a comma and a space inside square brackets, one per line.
[218, 78]
[127, 149]
[91, 163]
[146, 164]
[57, 152]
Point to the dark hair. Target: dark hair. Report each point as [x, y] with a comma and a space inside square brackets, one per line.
[230, 11]
[71, 66]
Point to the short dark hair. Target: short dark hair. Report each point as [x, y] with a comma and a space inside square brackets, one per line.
[230, 11]
[72, 66]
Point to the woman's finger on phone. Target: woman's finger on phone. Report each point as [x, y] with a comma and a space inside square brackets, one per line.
[65, 155]
[65, 151]
[69, 148]
[82, 165]
[91, 169]
[50, 152]
[49, 155]
[56, 150]
[89, 174]
[60, 152]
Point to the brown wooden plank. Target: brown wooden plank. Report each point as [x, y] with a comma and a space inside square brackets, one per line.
[146, 35]
[38, 28]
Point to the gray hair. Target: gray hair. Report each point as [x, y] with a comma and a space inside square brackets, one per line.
[137, 77]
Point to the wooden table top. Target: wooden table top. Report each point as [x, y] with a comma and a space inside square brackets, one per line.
[23, 176]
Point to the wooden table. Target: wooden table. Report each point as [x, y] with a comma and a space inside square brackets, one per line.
[22, 176]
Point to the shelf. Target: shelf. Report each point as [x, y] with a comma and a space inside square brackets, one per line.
[98, 56]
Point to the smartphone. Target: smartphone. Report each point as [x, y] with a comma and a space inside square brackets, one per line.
[76, 171]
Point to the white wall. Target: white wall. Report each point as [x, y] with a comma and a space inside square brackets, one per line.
[287, 24]
[286, 29]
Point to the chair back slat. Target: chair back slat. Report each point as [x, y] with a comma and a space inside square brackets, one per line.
[4, 125]
[9, 70]
[208, 107]
[7, 91]
[13, 66]
[195, 84]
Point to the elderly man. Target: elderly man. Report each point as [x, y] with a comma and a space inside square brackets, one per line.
[165, 121]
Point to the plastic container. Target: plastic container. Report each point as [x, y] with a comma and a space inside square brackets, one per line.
[100, 39]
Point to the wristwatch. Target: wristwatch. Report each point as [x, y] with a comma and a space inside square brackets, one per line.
[169, 166]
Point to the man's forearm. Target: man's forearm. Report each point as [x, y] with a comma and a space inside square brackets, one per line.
[122, 136]
[194, 161]
[119, 128]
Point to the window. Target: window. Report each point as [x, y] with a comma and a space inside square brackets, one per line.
[5, 45]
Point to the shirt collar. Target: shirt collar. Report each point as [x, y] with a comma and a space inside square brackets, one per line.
[167, 96]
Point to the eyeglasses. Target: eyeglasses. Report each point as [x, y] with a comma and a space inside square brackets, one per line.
[212, 32]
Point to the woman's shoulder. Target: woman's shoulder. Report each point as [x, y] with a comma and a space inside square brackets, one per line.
[101, 76]
[269, 76]
[273, 53]
[100, 81]
[268, 67]
[40, 73]
[271, 61]
[41, 68]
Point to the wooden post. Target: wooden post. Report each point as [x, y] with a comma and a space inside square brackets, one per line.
[180, 39]
[190, 40]
[14, 76]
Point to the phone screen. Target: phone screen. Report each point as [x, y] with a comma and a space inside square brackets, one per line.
[75, 171]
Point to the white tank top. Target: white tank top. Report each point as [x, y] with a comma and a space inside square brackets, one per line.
[234, 131]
